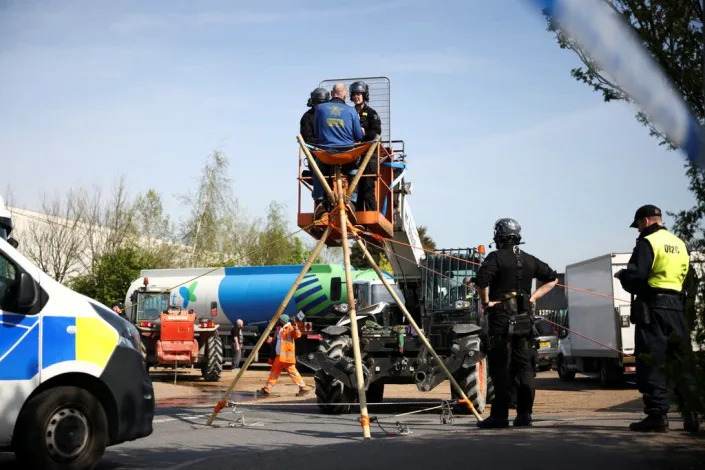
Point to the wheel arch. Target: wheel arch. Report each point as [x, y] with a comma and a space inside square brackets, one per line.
[91, 384]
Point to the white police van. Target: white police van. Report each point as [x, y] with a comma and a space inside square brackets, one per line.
[72, 378]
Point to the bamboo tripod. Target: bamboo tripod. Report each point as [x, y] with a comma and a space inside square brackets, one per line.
[338, 197]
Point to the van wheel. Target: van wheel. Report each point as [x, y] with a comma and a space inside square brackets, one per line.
[62, 428]
[609, 374]
[563, 372]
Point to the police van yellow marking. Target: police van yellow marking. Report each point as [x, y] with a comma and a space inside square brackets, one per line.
[95, 340]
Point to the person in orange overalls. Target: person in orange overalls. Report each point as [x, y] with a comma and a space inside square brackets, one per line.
[286, 357]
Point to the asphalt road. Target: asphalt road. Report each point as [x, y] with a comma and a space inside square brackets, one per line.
[276, 436]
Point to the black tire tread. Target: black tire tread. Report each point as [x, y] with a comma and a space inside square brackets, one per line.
[332, 396]
[213, 362]
[31, 424]
[467, 378]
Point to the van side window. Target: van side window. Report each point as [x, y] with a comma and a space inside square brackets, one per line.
[8, 277]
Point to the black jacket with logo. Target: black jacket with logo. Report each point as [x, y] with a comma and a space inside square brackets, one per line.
[370, 121]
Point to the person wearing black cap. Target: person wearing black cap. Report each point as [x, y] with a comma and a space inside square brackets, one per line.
[119, 309]
[655, 275]
[504, 281]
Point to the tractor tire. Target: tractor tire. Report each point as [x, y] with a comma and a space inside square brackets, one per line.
[473, 381]
[563, 373]
[61, 428]
[143, 349]
[490, 390]
[212, 366]
[332, 396]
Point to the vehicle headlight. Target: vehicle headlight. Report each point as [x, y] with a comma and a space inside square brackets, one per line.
[341, 308]
[461, 304]
[128, 335]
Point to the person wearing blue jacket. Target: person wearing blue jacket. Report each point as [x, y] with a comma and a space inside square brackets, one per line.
[336, 127]
[335, 124]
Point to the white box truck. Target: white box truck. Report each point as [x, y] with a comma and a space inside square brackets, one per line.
[602, 337]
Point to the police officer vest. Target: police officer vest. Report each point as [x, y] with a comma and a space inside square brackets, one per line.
[670, 261]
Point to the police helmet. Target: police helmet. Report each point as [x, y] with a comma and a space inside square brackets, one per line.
[318, 96]
[507, 230]
[360, 87]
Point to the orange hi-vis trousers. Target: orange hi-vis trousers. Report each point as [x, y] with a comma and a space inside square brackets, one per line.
[277, 367]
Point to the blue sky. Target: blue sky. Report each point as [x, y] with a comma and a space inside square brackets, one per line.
[493, 123]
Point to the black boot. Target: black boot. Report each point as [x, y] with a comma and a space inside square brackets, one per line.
[652, 423]
[493, 423]
[523, 419]
[690, 421]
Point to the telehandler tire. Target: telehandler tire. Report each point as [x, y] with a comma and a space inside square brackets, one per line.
[212, 366]
[473, 381]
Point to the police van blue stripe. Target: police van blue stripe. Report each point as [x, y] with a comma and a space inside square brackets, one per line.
[21, 360]
[58, 343]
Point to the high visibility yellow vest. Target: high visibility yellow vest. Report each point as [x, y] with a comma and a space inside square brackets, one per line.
[670, 261]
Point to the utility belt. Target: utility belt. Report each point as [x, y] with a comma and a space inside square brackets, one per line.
[512, 317]
[640, 310]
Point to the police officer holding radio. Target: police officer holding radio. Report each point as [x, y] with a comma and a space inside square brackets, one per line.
[656, 272]
[505, 280]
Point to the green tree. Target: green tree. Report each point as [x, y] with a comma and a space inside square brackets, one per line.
[268, 241]
[426, 241]
[672, 32]
[155, 232]
[213, 209]
[112, 273]
[150, 221]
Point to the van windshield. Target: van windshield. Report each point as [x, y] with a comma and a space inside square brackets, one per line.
[149, 306]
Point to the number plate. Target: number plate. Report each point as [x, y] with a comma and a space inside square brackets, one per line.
[545, 344]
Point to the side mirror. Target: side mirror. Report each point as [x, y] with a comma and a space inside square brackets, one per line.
[214, 309]
[27, 292]
[562, 333]
[336, 288]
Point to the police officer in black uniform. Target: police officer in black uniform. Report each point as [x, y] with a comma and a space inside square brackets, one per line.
[656, 273]
[505, 280]
[371, 128]
[318, 96]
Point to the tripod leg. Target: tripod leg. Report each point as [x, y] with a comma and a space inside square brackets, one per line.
[361, 170]
[418, 330]
[359, 377]
[316, 170]
[250, 358]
